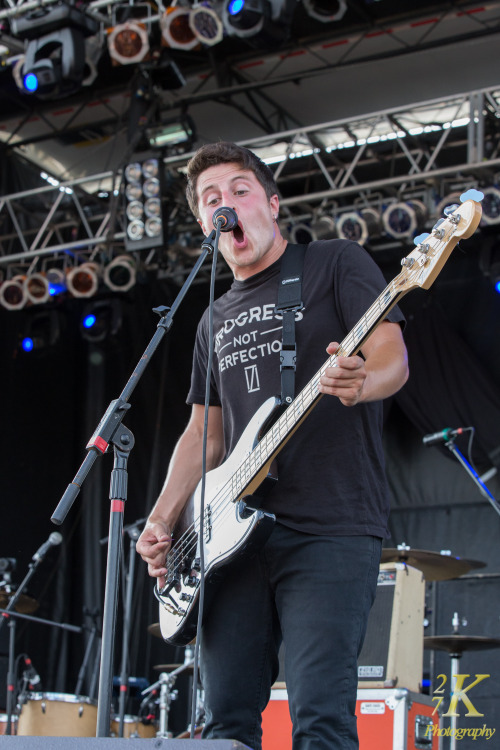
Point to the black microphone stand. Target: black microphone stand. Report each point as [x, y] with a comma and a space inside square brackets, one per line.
[134, 534]
[450, 444]
[110, 431]
[6, 613]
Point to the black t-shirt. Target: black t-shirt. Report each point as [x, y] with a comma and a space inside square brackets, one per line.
[331, 476]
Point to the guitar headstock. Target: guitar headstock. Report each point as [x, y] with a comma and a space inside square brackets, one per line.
[424, 263]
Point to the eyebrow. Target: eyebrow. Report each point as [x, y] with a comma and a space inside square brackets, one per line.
[213, 186]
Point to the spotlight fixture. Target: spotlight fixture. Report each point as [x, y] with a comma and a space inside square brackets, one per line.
[55, 51]
[128, 43]
[57, 281]
[100, 319]
[13, 293]
[270, 20]
[176, 30]
[402, 220]
[83, 280]
[301, 234]
[326, 10]
[172, 133]
[37, 288]
[352, 226]
[42, 330]
[119, 275]
[323, 227]
[245, 18]
[491, 206]
[206, 25]
[143, 206]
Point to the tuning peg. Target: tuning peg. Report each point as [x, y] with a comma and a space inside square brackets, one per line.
[422, 246]
[449, 209]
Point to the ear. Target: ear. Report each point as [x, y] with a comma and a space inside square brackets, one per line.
[274, 205]
[203, 228]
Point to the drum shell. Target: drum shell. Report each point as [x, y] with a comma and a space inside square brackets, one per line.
[57, 715]
[132, 727]
[3, 724]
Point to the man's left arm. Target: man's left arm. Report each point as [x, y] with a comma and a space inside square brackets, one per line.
[380, 373]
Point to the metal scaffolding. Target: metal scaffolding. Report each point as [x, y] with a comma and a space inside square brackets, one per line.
[422, 152]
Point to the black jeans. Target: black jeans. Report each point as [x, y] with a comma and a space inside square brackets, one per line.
[315, 592]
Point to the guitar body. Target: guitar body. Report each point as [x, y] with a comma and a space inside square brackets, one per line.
[232, 529]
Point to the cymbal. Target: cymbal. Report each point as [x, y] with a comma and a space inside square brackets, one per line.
[25, 604]
[457, 644]
[434, 566]
[154, 629]
[172, 667]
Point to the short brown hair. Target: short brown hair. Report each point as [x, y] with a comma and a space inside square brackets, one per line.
[224, 152]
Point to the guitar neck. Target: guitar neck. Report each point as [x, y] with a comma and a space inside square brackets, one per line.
[280, 432]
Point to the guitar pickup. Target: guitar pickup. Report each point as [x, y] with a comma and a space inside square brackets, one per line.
[207, 523]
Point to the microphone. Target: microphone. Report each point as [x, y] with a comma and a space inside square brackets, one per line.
[54, 539]
[30, 673]
[225, 219]
[443, 436]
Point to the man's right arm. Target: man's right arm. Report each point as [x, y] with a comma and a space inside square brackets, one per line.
[183, 476]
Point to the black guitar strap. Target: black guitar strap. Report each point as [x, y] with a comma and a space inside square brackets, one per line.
[289, 301]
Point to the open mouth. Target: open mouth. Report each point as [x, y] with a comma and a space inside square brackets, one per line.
[239, 235]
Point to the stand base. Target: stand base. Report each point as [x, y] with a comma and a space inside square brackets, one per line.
[111, 743]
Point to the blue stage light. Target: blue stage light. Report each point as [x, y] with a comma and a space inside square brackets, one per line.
[30, 82]
[235, 6]
[56, 289]
[28, 344]
[497, 286]
[89, 320]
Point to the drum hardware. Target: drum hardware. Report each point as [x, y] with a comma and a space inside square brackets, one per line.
[435, 566]
[165, 683]
[455, 644]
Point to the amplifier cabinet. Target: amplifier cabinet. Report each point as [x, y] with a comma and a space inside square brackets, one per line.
[393, 650]
[388, 719]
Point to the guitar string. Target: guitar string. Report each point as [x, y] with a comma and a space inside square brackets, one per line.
[261, 453]
[291, 416]
[235, 485]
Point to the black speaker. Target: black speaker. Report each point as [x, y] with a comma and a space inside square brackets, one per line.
[392, 653]
[110, 743]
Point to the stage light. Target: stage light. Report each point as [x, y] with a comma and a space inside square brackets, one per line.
[176, 30]
[206, 25]
[120, 274]
[101, 319]
[245, 18]
[491, 206]
[83, 280]
[41, 330]
[55, 50]
[173, 133]
[301, 234]
[37, 288]
[403, 220]
[326, 11]
[352, 226]
[57, 281]
[128, 43]
[359, 226]
[13, 293]
[143, 206]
